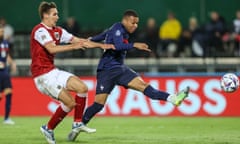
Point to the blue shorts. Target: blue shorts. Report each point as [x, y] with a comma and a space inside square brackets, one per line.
[5, 81]
[107, 79]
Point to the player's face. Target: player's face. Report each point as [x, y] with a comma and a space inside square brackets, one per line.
[52, 17]
[131, 23]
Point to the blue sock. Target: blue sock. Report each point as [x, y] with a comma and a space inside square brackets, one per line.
[91, 111]
[155, 94]
[8, 105]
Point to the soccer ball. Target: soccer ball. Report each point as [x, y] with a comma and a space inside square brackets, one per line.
[229, 82]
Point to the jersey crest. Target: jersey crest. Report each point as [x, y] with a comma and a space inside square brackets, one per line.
[57, 35]
[118, 33]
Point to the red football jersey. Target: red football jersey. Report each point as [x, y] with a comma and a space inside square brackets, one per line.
[42, 60]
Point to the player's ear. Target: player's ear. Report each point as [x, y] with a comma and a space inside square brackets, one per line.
[45, 15]
[124, 20]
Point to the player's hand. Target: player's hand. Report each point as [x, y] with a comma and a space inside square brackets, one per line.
[78, 45]
[141, 46]
[107, 46]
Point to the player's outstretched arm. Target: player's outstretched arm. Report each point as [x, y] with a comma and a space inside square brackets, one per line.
[53, 48]
[87, 43]
[141, 46]
[91, 44]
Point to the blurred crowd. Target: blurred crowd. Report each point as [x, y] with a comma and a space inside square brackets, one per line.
[214, 38]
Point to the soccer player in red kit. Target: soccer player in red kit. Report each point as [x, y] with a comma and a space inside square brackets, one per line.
[56, 83]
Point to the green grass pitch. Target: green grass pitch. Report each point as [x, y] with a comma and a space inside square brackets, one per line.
[130, 130]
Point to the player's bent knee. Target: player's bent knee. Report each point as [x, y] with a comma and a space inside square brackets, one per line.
[144, 84]
[140, 86]
[84, 89]
[75, 84]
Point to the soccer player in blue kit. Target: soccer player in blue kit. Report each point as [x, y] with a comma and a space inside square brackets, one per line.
[5, 78]
[111, 70]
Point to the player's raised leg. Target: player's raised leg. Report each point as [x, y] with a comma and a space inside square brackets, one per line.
[138, 84]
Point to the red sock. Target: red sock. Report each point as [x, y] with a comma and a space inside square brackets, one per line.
[79, 108]
[56, 118]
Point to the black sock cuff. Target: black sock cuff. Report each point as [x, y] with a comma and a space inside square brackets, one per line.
[147, 89]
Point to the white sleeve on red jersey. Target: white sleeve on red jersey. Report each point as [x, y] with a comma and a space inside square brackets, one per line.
[42, 36]
[66, 37]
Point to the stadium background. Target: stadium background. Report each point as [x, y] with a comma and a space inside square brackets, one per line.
[99, 14]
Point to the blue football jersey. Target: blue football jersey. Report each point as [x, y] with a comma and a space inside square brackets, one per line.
[4, 50]
[118, 36]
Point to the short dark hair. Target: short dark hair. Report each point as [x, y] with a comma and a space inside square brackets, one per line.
[44, 7]
[130, 12]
